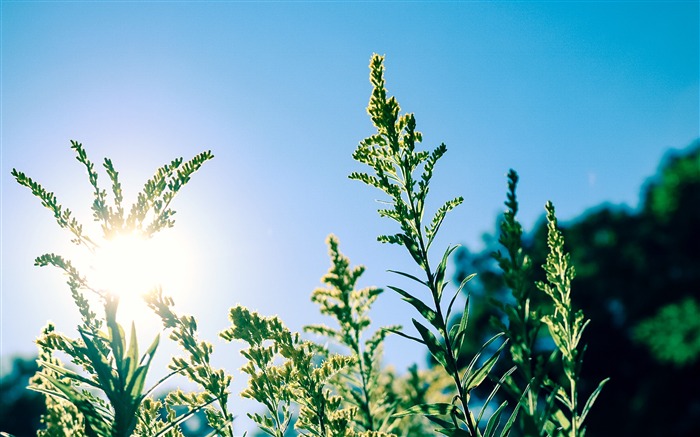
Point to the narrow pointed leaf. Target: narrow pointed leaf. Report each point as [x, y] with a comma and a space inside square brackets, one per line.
[440, 270]
[478, 376]
[68, 373]
[494, 420]
[476, 357]
[511, 420]
[410, 337]
[423, 309]
[409, 276]
[454, 432]
[133, 352]
[136, 383]
[464, 281]
[150, 352]
[463, 322]
[100, 364]
[442, 422]
[437, 409]
[413, 249]
[591, 400]
[434, 346]
[449, 307]
[494, 391]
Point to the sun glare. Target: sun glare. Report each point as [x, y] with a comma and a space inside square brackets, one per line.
[129, 266]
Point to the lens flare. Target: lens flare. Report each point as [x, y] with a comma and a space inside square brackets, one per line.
[129, 265]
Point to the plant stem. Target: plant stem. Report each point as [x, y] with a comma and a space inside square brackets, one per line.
[436, 300]
[366, 410]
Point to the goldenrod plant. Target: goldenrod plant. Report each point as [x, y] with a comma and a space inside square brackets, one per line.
[105, 395]
[565, 326]
[404, 174]
[302, 384]
[338, 385]
[523, 322]
[283, 370]
[361, 386]
[544, 399]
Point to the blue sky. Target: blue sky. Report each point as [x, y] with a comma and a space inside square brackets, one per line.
[582, 98]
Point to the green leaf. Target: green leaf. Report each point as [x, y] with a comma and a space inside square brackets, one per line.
[493, 392]
[68, 373]
[423, 309]
[413, 249]
[473, 379]
[440, 270]
[138, 377]
[436, 349]
[494, 420]
[454, 432]
[93, 418]
[133, 352]
[436, 409]
[511, 420]
[442, 422]
[457, 293]
[116, 333]
[560, 418]
[410, 277]
[591, 400]
[465, 280]
[462, 330]
[100, 364]
[401, 334]
[136, 383]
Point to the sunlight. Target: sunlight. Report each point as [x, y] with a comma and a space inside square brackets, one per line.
[129, 266]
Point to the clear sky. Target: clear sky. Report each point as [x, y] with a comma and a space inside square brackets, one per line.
[582, 98]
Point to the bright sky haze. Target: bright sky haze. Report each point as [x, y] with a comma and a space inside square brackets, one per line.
[583, 99]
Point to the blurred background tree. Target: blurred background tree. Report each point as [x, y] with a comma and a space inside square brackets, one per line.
[638, 280]
[20, 408]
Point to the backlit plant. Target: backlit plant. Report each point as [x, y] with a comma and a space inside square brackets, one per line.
[337, 386]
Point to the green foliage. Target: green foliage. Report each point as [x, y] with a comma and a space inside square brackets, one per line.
[360, 385]
[630, 264]
[566, 327]
[673, 334]
[664, 197]
[304, 388]
[524, 324]
[298, 378]
[391, 153]
[104, 397]
[62, 417]
[270, 383]
[196, 366]
[116, 370]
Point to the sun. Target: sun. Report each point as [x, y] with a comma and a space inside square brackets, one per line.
[129, 265]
